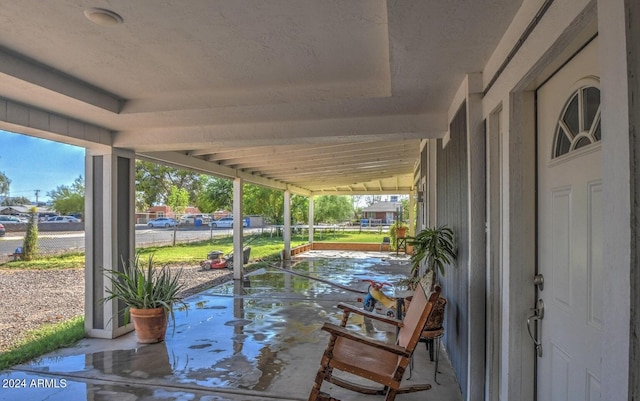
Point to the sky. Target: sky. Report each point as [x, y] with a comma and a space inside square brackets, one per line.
[38, 164]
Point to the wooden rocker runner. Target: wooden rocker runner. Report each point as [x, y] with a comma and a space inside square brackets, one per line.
[371, 359]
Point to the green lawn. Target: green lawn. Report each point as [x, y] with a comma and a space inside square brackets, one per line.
[46, 339]
[263, 246]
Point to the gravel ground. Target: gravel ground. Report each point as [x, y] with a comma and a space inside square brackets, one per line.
[32, 298]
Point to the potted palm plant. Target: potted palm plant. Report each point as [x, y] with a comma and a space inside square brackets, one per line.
[435, 247]
[150, 295]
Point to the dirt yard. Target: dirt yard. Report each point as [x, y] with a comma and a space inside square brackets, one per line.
[32, 298]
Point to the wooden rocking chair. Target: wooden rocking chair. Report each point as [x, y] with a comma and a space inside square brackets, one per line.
[371, 359]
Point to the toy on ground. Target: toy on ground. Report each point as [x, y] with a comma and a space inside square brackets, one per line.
[378, 300]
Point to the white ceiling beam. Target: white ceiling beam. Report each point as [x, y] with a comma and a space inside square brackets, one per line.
[319, 159]
[40, 78]
[304, 150]
[344, 130]
[183, 161]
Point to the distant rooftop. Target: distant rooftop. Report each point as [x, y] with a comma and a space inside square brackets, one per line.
[383, 207]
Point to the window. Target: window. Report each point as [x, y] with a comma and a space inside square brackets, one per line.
[579, 125]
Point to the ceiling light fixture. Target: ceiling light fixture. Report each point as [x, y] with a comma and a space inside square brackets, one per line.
[103, 17]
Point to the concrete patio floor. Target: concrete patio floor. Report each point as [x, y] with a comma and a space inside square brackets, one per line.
[254, 340]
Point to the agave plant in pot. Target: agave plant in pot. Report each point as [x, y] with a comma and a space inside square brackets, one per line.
[150, 295]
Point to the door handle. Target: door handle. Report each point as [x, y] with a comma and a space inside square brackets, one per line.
[538, 314]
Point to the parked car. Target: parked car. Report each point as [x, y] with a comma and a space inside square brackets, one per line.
[63, 219]
[2, 231]
[162, 222]
[187, 219]
[191, 218]
[6, 219]
[226, 222]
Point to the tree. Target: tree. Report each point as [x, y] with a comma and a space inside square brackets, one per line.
[5, 184]
[266, 202]
[355, 204]
[332, 208]
[69, 199]
[15, 200]
[371, 199]
[154, 182]
[216, 194]
[300, 208]
[30, 244]
[178, 199]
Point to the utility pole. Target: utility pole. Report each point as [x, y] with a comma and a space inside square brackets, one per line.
[37, 193]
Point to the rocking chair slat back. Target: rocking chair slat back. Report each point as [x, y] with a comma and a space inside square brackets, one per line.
[414, 319]
[384, 364]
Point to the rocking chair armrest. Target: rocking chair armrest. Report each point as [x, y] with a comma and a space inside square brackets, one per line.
[342, 332]
[347, 308]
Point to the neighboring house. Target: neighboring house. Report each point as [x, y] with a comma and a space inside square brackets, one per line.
[160, 211]
[384, 212]
[192, 210]
[153, 213]
[218, 214]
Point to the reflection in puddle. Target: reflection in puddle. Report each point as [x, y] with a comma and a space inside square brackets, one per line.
[244, 336]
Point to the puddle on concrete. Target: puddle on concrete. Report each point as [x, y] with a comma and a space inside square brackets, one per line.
[40, 387]
[244, 341]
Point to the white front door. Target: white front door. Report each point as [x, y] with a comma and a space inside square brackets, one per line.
[570, 214]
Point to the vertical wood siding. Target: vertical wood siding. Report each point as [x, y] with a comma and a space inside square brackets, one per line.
[452, 201]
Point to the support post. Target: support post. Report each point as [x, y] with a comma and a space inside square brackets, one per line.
[110, 236]
[286, 235]
[311, 218]
[238, 254]
[412, 213]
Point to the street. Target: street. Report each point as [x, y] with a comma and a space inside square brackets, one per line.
[59, 242]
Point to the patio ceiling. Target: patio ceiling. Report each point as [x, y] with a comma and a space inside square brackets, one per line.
[316, 96]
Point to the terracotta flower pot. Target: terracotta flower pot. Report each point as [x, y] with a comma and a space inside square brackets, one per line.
[401, 232]
[150, 324]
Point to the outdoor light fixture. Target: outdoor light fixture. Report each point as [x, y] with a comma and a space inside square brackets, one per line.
[103, 17]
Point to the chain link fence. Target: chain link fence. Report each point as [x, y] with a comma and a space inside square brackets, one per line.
[65, 238]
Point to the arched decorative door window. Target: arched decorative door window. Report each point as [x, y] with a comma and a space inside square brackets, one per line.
[579, 125]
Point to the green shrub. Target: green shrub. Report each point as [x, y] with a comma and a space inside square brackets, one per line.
[30, 244]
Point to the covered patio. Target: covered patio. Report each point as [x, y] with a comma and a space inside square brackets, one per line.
[514, 122]
[259, 339]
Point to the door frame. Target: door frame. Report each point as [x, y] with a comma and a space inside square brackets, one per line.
[494, 241]
[519, 229]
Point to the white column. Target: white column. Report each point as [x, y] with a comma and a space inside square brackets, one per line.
[311, 219]
[477, 248]
[238, 257]
[431, 194]
[286, 234]
[110, 236]
[412, 213]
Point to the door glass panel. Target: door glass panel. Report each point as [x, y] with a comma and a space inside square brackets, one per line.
[591, 105]
[571, 116]
[563, 143]
[582, 142]
[573, 134]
